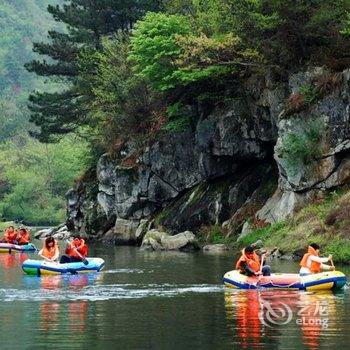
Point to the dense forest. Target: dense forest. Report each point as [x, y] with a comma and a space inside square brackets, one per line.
[33, 176]
[132, 69]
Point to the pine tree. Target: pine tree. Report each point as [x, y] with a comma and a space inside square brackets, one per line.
[87, 22]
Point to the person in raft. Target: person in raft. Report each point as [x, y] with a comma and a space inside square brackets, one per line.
[10, 235]
[23, 236]
[312, 263]
[76, 251]
[249, 263]
[50, 249]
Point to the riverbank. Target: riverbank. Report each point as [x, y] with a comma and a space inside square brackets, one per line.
[325, 222]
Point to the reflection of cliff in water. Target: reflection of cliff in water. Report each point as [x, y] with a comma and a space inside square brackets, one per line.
[268, 318]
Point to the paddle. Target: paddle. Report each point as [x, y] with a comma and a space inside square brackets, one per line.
[332, 264]
[262, 264]
[85, 261]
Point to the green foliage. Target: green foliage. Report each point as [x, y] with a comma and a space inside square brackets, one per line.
[340, 249]
[63, 111]
[154, 48]
[311, 225]
[179, 118]
[169, 52]
[309, 93]
[213, 235]
[20, 22]
[292, 32]
[264, 234]
[119, 106]
[37, 178]
[298, 149]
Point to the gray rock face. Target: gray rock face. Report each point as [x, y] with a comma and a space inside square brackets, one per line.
[59, 232]
[214, 172]
[318, 139]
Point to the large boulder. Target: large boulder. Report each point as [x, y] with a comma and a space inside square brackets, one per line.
[216, 248]
[158, 240]
[125, 231]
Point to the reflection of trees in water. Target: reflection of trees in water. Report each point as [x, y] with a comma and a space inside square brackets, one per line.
[310, 313]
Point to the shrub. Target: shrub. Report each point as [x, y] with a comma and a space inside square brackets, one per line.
[310, 94]
[299, 149]
[179, 118]
[327, 82]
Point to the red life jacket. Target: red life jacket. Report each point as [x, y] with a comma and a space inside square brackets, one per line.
[23, 238]
[253, 262]
[315, 266]
[10, 236]
[77, 245]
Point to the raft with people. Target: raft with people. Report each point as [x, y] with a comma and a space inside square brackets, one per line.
[73, 261]
[320, 281]
[16, 241]
[10, 247]
[42, 267]
[252, 273]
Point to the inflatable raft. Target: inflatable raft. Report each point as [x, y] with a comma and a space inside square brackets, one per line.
[9, 248]
[319, 281]
[43, 267]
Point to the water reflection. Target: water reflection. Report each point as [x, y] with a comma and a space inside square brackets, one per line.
[255, 316]
[49, 316]
[8, 261]
[78, 314]
[75, 313]
[50, 282]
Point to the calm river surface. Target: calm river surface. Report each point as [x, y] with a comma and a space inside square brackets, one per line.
[147, 300]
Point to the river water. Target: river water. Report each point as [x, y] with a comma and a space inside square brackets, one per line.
[149, 300]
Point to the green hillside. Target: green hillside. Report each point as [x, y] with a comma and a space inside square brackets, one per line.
[33, 176]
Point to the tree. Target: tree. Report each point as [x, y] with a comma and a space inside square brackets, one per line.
[35, 178]
[292, 32]
[169, 52]
[121, 103]
[87, 21]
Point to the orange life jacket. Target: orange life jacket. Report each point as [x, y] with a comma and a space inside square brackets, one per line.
[23, 238]
[253, 263]
[77, 245]
[10, 236]
[50, 252]
[315, 266]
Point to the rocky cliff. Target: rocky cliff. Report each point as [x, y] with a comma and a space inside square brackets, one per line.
[275, 145]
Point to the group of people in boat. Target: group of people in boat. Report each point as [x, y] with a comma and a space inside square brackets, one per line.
[251, 264]
[13, 236]
[75, 251]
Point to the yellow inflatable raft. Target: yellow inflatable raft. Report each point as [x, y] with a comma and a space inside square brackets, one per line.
[319, 281]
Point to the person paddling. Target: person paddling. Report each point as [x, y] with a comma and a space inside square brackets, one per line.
[312, 263]
[249, 263]
[76, 251]
[10, 235]
[50, 249]
[23, 237]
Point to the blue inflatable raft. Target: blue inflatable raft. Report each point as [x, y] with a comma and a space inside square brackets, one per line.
[43, 267]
